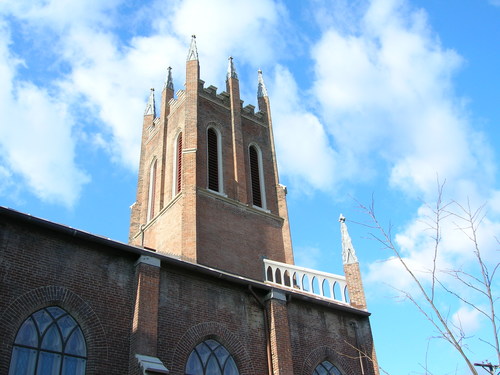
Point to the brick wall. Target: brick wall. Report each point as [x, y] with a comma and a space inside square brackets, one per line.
[355, 285]
[319, 333]
[39, 268]
[194, 307]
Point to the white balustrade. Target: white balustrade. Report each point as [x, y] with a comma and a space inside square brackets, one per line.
[322, 284]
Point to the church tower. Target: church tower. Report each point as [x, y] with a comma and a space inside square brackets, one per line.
[208, 189]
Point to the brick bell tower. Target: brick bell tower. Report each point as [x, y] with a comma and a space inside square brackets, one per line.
[208, 189]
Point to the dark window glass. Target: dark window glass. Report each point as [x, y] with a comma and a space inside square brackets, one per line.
[255, 177]
[210, 358]
[179, 164]
[213, 160]
[49, 342]
[326, 368]
[152, 191]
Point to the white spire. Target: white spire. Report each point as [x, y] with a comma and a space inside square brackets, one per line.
[150, 108]
[193, 51]
[348, 253]
[261, 88]
[231, 72]
[169, 84]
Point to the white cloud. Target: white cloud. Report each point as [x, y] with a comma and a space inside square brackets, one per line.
[36, 144]
[302, 143]
[466, 320]
[307, 257]
[110, 78]
[386, 94]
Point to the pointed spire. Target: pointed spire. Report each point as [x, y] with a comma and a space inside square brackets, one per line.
[261, 88]
[193, 51]
[348, 253]
[231, 72]
[150, 108]
[169, 84]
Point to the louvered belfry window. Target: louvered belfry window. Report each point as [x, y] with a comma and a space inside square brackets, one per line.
[152, 191]
[178, 181]
[255, 177]
[213, 160]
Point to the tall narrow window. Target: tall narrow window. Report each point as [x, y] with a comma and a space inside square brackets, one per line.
[49, 341]
[152, 191]
[178, 165]
[326, 368]
[214, 160]
[256, 177]
[210, 358]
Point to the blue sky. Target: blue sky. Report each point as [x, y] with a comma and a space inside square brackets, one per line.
[369, 99]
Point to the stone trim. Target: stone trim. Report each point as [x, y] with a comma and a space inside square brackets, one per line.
[216, 331]
[144, 259]
[53, 295]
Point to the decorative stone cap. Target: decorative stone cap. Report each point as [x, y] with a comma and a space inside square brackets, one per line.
[151, 365]
[155, 262]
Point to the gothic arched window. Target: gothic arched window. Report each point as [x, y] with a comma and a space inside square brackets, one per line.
[210, 358]
[178, 165]
[326, 368]
[152, 191]
[214, 160]
[257, 177]
[51, 342]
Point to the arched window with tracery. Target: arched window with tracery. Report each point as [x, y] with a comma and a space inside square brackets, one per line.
[152, 191]
[257, 177]
[178, 165]
[210, 358]
[49, 342]
[326, 368]
[214, 160]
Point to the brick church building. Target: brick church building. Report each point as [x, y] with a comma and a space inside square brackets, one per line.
[207, 283]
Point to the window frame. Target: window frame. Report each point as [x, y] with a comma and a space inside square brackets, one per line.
[220, 170]
[260, 169]
[195, 355]
[177, 165]
[40, 328]
[152, 190]
[331, 369]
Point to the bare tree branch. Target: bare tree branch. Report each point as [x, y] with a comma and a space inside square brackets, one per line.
[467, 221]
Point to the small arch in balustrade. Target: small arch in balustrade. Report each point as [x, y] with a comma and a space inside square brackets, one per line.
[346, 295]
[325, 287]
[286, 277]
[337, 292]
[269, 274]
[295, 282]
[277, 276]
[305, 283]
[315, 285]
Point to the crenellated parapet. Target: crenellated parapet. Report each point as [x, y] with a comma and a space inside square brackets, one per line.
[223, 98]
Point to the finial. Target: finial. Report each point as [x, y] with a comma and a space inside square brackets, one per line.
[231, 72]
[348, 253]
[150, 108]
[169, 84]
[193, 51]
[261, 88]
